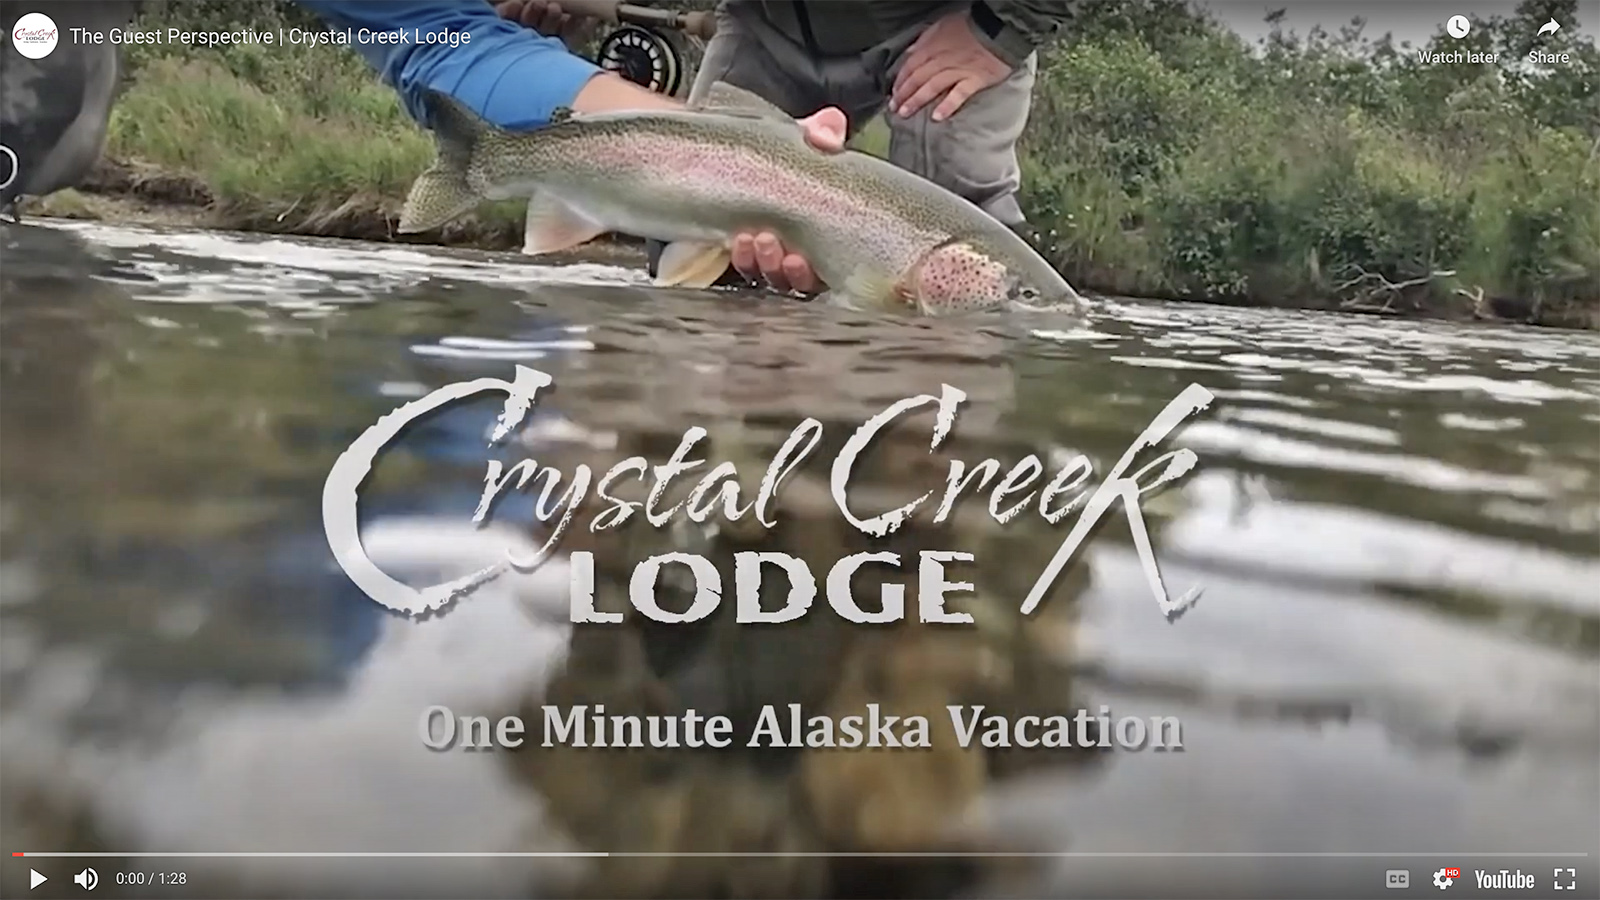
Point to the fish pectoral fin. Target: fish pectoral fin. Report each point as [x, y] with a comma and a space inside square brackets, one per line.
[875, 288]
[554, 226]
[438, 195]
[723, 97]
[692, 265]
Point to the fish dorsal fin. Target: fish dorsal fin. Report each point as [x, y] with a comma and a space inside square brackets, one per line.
[722, 97]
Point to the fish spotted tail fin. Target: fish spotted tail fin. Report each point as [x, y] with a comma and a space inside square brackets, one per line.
[442, 192]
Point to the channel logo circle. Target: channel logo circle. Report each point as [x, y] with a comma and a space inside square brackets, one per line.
[35, 35]
[9, 166]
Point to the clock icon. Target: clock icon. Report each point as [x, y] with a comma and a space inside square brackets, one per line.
[1458, 26]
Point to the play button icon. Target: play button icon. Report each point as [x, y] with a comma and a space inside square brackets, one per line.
[35, 879]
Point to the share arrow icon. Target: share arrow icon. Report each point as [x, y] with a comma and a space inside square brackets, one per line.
[1550, 27]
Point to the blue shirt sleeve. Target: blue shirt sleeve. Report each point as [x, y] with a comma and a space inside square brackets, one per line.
[509, 75]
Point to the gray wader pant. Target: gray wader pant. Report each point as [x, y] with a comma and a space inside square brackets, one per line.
[972, 154]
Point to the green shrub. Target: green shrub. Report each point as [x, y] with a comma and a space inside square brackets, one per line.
[1331, 166]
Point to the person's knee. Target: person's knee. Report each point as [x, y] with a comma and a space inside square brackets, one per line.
[974, 152]
[967, 158]
[1007, 209]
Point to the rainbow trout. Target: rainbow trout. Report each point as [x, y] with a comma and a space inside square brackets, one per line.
[879, 236]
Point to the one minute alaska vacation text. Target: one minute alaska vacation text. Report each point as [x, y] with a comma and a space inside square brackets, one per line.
[790, 725]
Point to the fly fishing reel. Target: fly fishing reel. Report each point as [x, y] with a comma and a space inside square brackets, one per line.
[647, 44]
[644, 56]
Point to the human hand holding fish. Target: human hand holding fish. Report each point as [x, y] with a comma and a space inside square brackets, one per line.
[698, 177]
[761, 255]
[757, 256]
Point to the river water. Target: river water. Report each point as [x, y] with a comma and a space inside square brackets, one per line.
[1395, 661]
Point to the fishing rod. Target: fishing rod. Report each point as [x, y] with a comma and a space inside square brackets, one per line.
[646, 44]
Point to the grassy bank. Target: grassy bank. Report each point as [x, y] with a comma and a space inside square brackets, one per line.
[291, 139]
[1165, 157]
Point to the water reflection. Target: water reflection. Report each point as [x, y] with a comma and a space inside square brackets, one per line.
[1395, 524]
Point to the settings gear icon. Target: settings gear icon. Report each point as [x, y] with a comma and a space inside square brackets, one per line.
[1442, 879]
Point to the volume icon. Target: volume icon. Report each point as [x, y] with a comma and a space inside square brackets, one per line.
[88, 879]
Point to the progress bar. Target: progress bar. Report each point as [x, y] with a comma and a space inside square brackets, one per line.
[602, 854]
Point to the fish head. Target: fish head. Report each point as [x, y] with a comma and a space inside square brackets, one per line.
[960, 276]
[956, 276]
